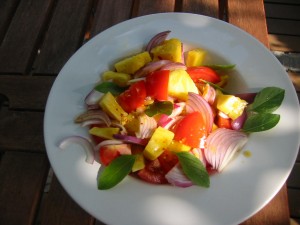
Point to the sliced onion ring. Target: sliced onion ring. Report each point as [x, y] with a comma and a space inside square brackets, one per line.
[151, 67]
[84, 143]
[92, 99]
[176, 177]
[174, 66]
[197, 103]
[108, 142]
[238, 123]
[221, 146]
[93, 114]
[131, 139]
[157, 40]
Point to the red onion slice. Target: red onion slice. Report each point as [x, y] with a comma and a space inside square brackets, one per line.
[108, 142]
[147, 126]
[131, 139]
[248, 97]
[83, 142]
[209, 94]
[94, 114]
[92, 99]
[174, 66]
[221, 146]
[238, 123]
[176, 177]
[151, 67]
[157, 40]
[197, 103]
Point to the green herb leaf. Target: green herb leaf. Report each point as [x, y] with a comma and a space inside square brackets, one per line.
[193, 169]
[214, 86]
[115, 172]
[164, 107]
[267, 100]
[221, 67]
[111, 87]
[260, 122]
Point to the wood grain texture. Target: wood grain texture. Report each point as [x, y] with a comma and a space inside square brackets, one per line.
[20, 43]
[7, 9]
[26, 92]
[22, 177]
[281, 11]
[64, 35]
[21, 130]
[144, 7]
[109, 13]
[59, 208]
[281, 26]
[203, 7]
[250, 16]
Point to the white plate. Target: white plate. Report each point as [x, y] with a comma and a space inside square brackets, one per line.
[244, 187]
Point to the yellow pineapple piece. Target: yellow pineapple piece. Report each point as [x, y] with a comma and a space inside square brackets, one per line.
[169, 50]
[120, 79]
[195, 57]
[177, 146]
[159, 141]
[231, 105]
[104, 132]
[180, 83]
[139, 162]
[132, 64]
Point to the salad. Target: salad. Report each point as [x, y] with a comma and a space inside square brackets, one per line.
[163, 116]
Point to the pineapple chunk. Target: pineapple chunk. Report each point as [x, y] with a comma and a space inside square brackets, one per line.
[195, 57]
[104, 132]
[176, 146]
[231, 105]
[139, 163]
[159, 141]
[109, 104]
[132, 64]
[180, 83]
[169, 50]
[120, 79]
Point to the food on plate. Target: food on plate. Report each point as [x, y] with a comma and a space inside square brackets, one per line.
[163, 116]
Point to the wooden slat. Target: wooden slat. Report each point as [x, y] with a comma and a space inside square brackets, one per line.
[279, 215]
[21, 130]
[19, 45]
[22, 177]
[7, 9]
[286, 27]
[64, 36]
[109, 13]
[294, 199]
[250, 16]
[284, 43]
[295, 78]
[26, 92]
[59, 208]
[282, 11]
[144, 7]
[203, 7]
[294, 2]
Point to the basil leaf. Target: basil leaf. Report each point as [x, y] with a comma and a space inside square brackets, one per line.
[221, 67]
[260, 122]
[111, 87]
[164, 107]
[193, 169]
[115, 172]
[267, 100]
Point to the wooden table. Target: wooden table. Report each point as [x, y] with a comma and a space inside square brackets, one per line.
[36, 38]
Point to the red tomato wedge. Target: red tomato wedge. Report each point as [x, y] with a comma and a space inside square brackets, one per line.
[167, 160]
[134, 97]
[199, 73]
[153, 173]
[157, 84]
[223, 122]
[109, 152]
[190, 130]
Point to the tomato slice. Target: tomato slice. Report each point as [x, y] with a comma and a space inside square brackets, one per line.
[153, 173]
[108, 153]
[133, 97]
[223, 122]
[167, 160]
[199, 73]
[190, 130]
[157, 84]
